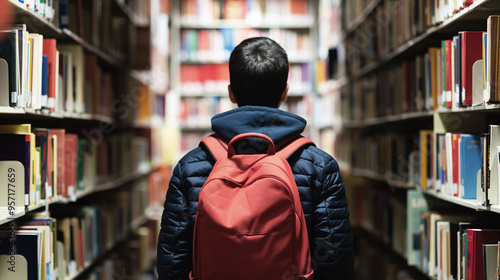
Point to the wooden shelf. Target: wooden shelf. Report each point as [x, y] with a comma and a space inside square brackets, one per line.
[352, 26]
[387, 120]
[358, 172]
[12, 112]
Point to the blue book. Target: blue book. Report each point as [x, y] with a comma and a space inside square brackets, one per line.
[63, 14]
[227, 35]
[416, 204]
[470, 165]
[45, 80]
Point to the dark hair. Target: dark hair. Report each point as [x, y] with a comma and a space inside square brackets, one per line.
[258, 71]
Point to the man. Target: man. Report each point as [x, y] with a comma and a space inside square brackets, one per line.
[258, 69]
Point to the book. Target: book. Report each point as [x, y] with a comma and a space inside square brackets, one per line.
[493, 54]
[493, 175]
[42, 142]
[45, 71]
[76, 75]
[426, 159]
[471, 52]
[490, 257]
[8, 67]
[71, 164]
[416, 204]
[60, 164]
[50, 50]
[17, 147]
[36, 70]
[475, 240]
[470, 165]
[28, 245]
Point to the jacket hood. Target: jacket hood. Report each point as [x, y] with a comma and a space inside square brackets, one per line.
[275, 123]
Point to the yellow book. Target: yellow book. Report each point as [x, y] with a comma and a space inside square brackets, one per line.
[434, 56]
[15, 129]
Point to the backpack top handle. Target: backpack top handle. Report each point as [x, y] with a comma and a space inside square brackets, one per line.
[270, 149]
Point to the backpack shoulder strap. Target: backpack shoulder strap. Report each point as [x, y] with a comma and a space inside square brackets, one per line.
[291, 146]
[216, 146]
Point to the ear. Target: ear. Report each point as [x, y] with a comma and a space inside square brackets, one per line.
[231, 94]
[284, 95]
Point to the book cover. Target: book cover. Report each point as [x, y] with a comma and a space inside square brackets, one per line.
[18, 147]
[36, 70]
[448, 72]
[50, 50]
[493, 55]
[42, 142]
[27, 245]
[425, 159]
[416, 204]
[471, 52]
[71, 164]
[490, 257]
[8, 54]
[493, 190]
[470, 164]
[59, 161]
[455, 140]
[45, 81]
[433, 57]
[475, 240]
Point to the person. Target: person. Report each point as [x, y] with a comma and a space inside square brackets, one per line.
[258, 69]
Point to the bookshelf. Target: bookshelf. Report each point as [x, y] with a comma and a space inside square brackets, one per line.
[396, 130]
[106, 137]
[204, 41]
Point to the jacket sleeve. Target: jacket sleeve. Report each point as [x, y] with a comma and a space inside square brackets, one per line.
[175, 238]
[332, 248]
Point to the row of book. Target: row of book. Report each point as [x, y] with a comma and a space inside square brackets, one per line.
[446, 244]
[378, 212]
[204, 78]
[49, 163]
[63, 242]
[208, 45]
[198, 112]
[94, 21]
[39, 73]
[460, 73]
[398, 21]
[253, 11]
[214, 78]
[461, 165]
[386, 155]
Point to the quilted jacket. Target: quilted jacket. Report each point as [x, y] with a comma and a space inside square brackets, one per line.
[321, 190]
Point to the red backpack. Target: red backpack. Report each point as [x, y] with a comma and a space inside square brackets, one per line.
[250, 223]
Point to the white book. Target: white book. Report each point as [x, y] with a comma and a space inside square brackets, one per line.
[78, 69]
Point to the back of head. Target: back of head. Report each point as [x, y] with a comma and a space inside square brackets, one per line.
[258, 69]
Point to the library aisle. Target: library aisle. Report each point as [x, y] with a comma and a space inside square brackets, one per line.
[99, 99]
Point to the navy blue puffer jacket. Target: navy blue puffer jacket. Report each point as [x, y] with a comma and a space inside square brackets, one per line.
[318, 179]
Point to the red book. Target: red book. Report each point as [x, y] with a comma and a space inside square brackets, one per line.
[50, 50]
[472, 51]
[92, 78]
[475, 240]
[60, 185]
[449, 72]
[70, 162]
[467, 3]
[298, 7]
